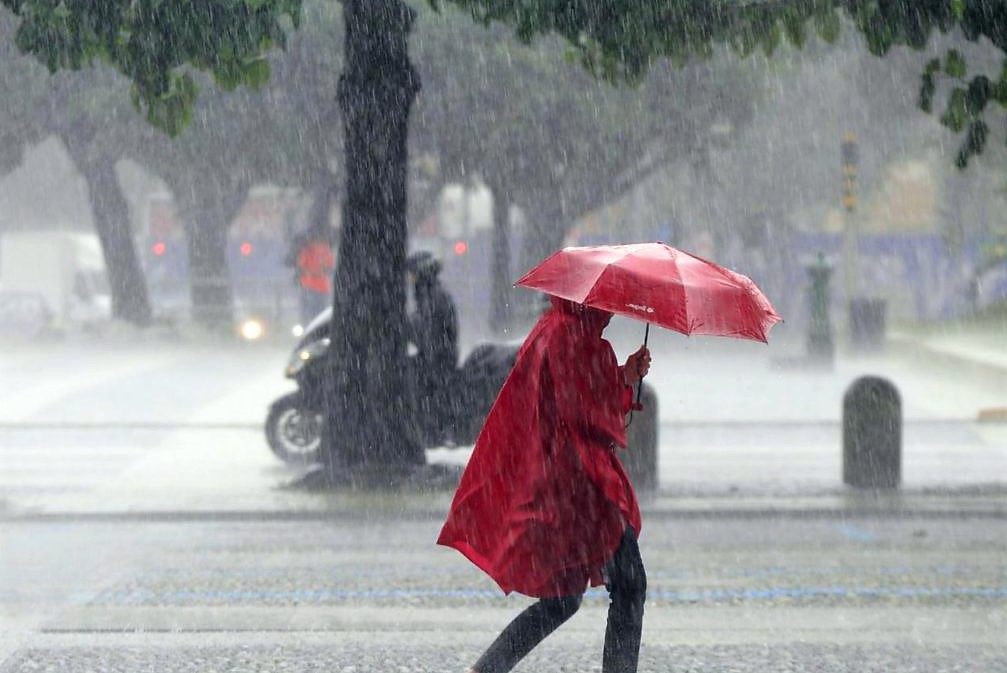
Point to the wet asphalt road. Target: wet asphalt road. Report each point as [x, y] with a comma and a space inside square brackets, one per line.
[360, 594]
[154, 430]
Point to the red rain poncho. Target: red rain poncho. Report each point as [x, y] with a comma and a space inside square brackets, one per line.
[544, 501]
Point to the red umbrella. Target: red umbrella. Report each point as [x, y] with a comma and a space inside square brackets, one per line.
[659, 284]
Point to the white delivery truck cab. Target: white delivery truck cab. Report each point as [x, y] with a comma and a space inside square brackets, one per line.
[62, 271]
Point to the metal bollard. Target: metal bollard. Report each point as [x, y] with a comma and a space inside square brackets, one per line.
[872, 434]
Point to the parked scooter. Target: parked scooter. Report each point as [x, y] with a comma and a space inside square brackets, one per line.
[295, 421]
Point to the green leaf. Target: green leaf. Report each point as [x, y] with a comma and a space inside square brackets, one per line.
[954, 64]
[828, 25]
[978, 133]
[877, 32]
[228, 74]
[927, 89]
[973, 146]
[999, 92]
[793, 26]
[771, 40]
[294, 10]
[933, 66]
[171, 112]
[962, 160]
[956, 116]
[979, 92]
[745, 41]
[257, 73]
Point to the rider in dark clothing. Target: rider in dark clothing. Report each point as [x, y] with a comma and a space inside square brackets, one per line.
[433, 329]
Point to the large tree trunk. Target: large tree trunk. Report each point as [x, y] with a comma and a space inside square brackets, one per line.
[367, 430]
[130, 299]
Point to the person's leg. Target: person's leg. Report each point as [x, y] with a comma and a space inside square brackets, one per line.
[526, 631]
[627, 587]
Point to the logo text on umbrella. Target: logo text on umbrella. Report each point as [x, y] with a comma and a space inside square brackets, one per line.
[641, 308]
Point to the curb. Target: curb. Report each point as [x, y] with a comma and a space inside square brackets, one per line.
[993, 415]
[993, 508]
[828, 513]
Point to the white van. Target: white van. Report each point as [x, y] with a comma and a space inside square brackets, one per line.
[52, 275]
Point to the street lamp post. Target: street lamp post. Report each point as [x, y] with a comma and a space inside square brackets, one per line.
[821, 350]
[851, 233]
[866, 316]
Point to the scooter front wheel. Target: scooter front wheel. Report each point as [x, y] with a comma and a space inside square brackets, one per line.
[293, 431]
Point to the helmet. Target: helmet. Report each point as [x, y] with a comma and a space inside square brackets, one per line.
[423, 263]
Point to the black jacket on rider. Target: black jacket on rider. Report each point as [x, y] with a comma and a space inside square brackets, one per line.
[433, 329]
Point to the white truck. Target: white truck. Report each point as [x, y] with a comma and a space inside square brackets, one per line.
[52, 281]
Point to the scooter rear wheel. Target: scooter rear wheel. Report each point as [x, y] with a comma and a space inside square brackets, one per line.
[293, 431]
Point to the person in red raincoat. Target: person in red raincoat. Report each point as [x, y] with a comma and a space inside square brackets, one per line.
[315, 265]
[312, 256]
[544, 506]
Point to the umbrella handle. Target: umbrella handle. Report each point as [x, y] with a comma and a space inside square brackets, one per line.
[639, 384]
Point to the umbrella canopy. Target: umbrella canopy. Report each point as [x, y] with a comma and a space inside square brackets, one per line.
[659, 284]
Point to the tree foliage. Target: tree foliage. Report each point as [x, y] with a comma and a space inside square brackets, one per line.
[153, 42]
[620, 39]
[967, 102]
[90, 114]
[157, 43]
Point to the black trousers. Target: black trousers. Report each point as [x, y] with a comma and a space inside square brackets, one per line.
[626, 582]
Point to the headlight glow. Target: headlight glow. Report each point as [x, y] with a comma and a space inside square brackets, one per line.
[252, 329]
[302, 356]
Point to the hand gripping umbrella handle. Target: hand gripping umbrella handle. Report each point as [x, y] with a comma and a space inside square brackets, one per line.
[639, 384]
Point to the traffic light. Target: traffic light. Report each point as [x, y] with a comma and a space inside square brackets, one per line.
[849, 166]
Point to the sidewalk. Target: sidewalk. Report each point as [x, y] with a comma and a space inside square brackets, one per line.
[716, 459]
[982, 352]
[233, 483]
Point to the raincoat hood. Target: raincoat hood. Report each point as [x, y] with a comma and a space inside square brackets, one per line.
[594, 320]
